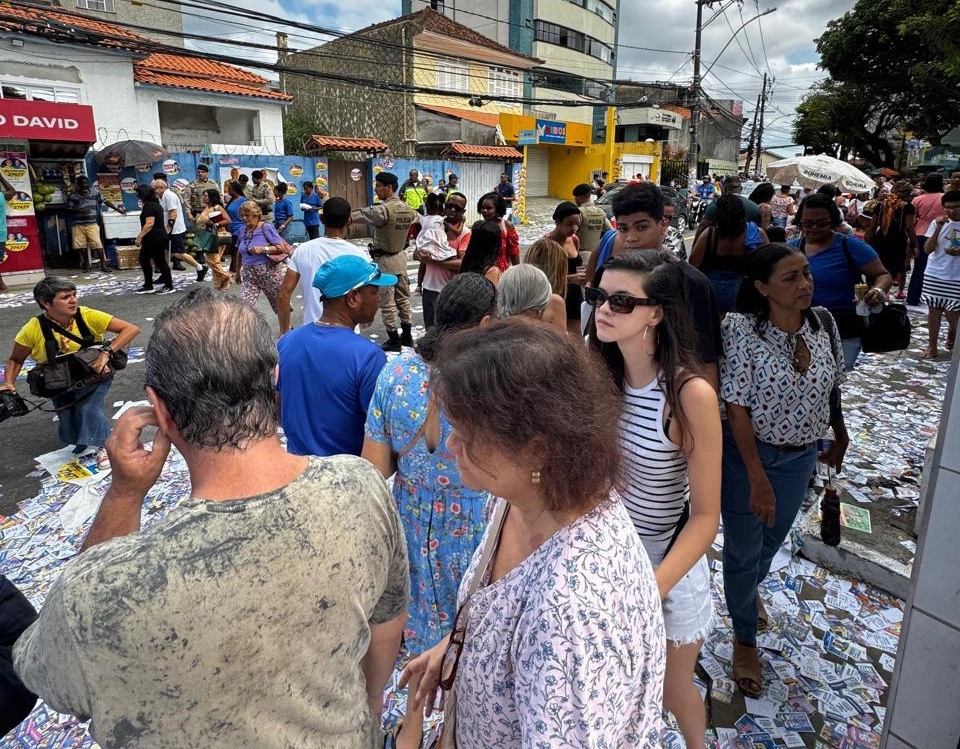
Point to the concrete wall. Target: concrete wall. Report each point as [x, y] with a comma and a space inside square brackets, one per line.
[925, 691]
[573, 16]
[153, 16]
[571, 166]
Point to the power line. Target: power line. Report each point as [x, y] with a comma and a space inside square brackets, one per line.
[746, 37]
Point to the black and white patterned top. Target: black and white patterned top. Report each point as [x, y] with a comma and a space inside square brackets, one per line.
[787, 407]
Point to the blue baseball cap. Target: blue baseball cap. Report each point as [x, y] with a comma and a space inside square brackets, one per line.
[344, 273]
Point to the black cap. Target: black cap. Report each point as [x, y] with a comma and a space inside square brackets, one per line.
[387, 178]
[203, 168]
[582, 189]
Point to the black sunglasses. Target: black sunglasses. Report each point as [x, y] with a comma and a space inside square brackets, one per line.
[454, 207]
[622, 303]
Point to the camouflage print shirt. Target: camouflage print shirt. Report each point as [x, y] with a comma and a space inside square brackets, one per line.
[229, 625]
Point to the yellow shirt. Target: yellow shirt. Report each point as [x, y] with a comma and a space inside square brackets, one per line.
[31, 335]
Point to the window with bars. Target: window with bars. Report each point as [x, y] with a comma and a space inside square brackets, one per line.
[452, 76]
[503, 82]
[104, 6]
[40, 92]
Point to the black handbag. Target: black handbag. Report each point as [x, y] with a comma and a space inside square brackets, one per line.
[888, 330]
[70, 373]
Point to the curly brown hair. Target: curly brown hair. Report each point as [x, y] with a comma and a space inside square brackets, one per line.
[539, 396]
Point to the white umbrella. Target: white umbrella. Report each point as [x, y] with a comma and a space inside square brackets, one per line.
[814, 171]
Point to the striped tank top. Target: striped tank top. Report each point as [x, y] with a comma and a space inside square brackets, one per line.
[655, 468]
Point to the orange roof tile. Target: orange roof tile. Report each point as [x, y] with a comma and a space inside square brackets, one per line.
[481, 118]
[155, 78]
[57, 25]
[677, 109]
[197, 66]
[333, 143]
[507, 153]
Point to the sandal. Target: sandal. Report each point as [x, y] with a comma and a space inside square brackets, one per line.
[929, 353]
[746, 669]
[762, 619]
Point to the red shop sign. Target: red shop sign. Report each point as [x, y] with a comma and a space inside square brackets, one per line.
[44, 120]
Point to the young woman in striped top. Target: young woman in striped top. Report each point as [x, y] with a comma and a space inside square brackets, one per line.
[643, 329]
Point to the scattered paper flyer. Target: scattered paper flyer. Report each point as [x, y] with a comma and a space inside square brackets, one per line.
[855, 518]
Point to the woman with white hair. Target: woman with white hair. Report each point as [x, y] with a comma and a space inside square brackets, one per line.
[525, 290]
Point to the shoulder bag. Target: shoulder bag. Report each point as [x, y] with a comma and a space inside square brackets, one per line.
[72, 372]
[283, 249]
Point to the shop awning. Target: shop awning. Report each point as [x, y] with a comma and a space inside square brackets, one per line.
[504, 153]
[44, 120]
[333, 143]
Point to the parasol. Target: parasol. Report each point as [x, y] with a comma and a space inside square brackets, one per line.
[129, 153]
[814, 171]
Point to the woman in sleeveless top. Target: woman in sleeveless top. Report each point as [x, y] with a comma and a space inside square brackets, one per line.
[567, 219]
[644, 332]
[721, 251]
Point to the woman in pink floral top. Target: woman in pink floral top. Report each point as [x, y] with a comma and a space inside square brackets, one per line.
[559, 639]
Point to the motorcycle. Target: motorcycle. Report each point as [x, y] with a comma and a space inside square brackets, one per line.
[698, 207]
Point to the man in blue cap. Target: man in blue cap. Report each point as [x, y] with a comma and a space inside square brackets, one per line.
[328, 372]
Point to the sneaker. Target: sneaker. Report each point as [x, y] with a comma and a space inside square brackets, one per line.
[202, 273]
[165, 290]
[157, 281]
[145, 290]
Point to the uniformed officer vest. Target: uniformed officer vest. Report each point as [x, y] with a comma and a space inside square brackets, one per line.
[591, 227]
[392, 238]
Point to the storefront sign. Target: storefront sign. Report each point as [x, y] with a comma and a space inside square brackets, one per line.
[44, 120]
[527, 138]
[549, 131]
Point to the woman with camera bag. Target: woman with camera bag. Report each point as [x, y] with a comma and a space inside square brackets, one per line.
[66, 328]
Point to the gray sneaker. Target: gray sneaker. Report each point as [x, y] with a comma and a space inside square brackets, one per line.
[165, 290]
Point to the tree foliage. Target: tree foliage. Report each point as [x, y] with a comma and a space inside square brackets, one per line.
[893, 66]
[298, 126]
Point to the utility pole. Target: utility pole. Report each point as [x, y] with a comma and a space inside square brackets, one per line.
[753, 135]
[763, 105]
[692, 153]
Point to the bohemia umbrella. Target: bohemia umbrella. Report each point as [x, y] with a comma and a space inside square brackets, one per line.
[130, 153]
[815, 171]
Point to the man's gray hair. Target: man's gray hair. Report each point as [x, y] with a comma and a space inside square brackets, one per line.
[49, 287]
[212, 360]
[159, 183]
[521, 288]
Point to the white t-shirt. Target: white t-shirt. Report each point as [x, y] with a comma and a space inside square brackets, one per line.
[305, 261]
[939, 263]
[171, 202]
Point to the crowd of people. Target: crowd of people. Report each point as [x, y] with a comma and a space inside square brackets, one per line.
[559, 447]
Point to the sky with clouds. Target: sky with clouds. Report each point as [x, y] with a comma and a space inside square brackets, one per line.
[781, 42]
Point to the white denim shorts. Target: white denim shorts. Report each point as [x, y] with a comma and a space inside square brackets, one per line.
[688, 607]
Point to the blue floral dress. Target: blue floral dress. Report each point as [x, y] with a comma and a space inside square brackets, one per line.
[443, 520]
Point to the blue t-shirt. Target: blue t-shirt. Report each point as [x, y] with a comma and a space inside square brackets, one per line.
[506, 190]
[311, 218]
[833, 276]
[605, 248]
[327, 378]
[282, 210]
[233, 211]
[705, 191]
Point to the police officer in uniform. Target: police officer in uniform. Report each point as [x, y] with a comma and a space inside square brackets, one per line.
[194, 192]
[594, 223]
[391, 219]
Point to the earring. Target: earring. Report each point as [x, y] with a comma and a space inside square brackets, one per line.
[644, 337]
[534, 477]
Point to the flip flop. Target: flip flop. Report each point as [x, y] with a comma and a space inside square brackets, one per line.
[746, 669]
[762, 619]
[929, 354]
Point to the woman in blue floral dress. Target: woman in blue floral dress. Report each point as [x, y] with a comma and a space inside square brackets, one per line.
[443, 520]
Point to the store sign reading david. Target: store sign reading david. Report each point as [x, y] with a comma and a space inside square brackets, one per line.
[44, 120]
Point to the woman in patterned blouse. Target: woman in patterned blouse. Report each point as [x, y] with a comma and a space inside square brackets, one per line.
[779, 378]
[558, 640]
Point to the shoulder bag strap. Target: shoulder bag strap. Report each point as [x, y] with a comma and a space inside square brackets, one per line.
[86, 338]
[490, 547]
[49, 342]
[854, 268]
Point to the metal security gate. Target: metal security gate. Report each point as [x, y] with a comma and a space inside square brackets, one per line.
[477, 178]
[538, 171]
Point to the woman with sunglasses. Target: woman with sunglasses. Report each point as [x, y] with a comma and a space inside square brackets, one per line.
[836, 263]
[558, 639]
[643, 330]
[770, 435]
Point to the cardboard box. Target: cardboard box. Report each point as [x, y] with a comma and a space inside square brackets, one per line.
[128, 257]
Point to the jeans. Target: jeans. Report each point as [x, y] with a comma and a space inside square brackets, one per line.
[16, 614]
[84, 423]
[851, 350]
[429, 307]
[779, 221]
[725, 285]
[313, 232]
[748, 544]
[915, 288]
